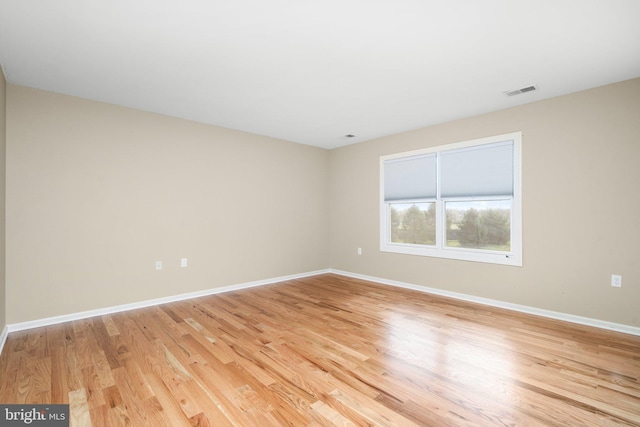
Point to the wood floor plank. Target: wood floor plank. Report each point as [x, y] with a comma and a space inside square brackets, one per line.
[326, 350]
[79, 412]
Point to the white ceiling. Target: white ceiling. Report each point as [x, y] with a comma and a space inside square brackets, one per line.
[313, 71]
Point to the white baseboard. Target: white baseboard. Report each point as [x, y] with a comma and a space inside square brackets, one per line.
[3, 337]
[148, 303]
[602, 324]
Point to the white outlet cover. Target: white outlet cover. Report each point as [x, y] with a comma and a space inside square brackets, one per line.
[183, 262]
[158, 265]
[616, 281]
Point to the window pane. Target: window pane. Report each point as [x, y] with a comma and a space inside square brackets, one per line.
[479, 225]
[413, 223]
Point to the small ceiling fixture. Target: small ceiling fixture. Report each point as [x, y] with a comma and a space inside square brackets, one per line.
[521, 90]
[349, 135]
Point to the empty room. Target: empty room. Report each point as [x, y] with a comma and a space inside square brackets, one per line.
[289, 213]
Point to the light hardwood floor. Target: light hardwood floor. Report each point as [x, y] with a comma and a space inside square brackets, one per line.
[326, 351]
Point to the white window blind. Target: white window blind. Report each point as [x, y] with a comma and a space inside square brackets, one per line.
[483, 170]
[410, 178]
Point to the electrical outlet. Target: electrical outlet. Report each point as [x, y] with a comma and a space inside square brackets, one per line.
[158, 265]
[359, 251]
[616, 281]
[183, 262]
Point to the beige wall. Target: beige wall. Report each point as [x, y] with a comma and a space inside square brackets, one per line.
[581, 207]
[3, 127]
[97, 193]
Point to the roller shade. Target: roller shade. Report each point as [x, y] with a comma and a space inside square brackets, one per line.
[483, 170]
[410, 178]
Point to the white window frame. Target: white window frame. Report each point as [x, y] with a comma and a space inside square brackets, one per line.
[440, 250]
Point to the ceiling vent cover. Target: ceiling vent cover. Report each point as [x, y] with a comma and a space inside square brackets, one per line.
[521, 90]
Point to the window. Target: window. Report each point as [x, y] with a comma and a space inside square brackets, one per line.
[459, 201]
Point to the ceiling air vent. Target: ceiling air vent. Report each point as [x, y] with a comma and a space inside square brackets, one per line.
[521, 90]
